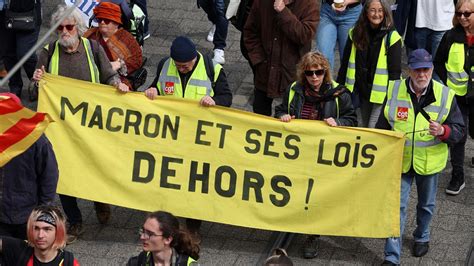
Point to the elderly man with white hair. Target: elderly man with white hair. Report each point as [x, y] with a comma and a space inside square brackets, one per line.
[75, 57]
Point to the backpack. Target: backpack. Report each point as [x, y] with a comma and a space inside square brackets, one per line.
[68, 259]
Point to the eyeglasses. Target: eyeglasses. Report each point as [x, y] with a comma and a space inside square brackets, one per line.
[147, 234]
[310, 73]
[106, 21]
[69, 27]
[465, 14]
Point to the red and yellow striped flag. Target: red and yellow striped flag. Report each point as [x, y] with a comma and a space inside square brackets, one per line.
[20, 127]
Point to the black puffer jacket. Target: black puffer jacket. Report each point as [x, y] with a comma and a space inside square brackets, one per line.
[337, 104]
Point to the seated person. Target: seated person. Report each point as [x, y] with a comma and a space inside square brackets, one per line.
[122, 49]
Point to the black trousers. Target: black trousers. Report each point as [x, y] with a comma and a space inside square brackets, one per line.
[13, 46]
[13, 230]
[457, 151]
[262, 104]
[72, 211]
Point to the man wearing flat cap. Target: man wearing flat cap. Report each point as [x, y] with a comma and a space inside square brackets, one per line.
[188, 74]
[427, 112]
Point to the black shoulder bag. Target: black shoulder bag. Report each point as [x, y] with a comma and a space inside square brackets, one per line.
[20, 20]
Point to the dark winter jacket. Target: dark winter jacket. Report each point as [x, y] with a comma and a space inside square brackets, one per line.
[28, 180]
[366, 63]
[276, 41]
[338, 104]
[454, 119]
[454, 35]
[222, 94]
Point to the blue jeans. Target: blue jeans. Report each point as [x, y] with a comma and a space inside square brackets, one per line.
[426, 186]
[334, 27]
[215, 10]
[428, 39]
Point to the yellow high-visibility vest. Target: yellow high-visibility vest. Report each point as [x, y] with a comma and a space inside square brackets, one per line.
[380, 82]
[198, 86]
[53, 67]
[426, 153]
[457, 79]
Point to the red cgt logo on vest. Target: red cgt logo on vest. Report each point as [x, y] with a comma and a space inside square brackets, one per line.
[402, 113]
[169, 88]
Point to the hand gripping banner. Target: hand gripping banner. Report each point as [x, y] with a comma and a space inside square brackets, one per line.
[222, 165]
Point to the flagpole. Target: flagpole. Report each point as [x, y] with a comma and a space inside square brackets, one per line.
[39, 43]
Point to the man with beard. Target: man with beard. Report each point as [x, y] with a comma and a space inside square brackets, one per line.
[46, 240]
[76, 57]
[427, 112]
[79, 58]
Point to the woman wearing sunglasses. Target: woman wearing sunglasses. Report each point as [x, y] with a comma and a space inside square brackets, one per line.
[454, 65]
[372, 57]
[122, 49]
[165, 243]
[315, 96]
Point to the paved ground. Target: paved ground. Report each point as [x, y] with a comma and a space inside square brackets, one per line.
[452, 226]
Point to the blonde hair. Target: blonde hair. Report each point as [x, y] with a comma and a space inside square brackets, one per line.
[60, 240]
[309, 60]
[456, 9]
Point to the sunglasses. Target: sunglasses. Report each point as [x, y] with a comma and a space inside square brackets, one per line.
[310, 73]
[106, 21]
[69, 27]
[465, 14]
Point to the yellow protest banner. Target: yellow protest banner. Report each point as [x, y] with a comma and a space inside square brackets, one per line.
[220, 164]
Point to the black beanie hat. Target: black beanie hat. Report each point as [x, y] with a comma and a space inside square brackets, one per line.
[183, 49]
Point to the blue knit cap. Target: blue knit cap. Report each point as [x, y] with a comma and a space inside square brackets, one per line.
[183, 49]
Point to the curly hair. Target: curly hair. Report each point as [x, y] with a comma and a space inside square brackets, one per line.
[456, 9]
[56, 213]
[360, 35]
[74, 15]
[313, 60]
[182, 240]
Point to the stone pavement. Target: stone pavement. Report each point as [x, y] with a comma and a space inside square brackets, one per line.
[113, 244]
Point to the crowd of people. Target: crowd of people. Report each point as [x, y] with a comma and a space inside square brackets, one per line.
[432, 106]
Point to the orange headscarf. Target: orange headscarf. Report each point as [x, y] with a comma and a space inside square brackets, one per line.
[108, 11]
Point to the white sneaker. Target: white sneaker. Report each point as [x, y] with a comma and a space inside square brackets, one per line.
[219, 56]
[210, 35]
